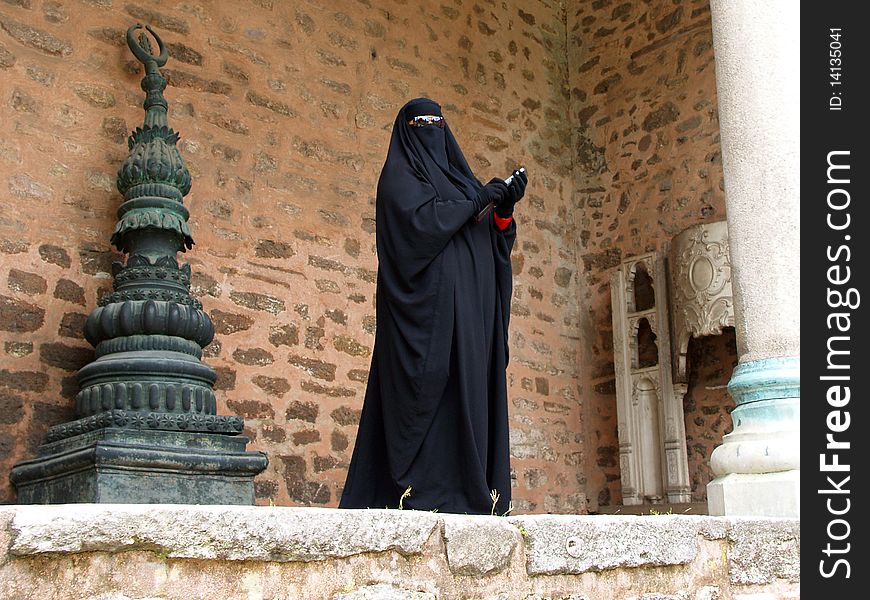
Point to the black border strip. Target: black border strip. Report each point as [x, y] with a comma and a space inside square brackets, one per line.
[834, 246]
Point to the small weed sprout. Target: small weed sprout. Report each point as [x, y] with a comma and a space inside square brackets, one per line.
[655, 513]
[405, 494]
[495, 496]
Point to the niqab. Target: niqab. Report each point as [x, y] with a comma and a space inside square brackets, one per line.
[435, 413]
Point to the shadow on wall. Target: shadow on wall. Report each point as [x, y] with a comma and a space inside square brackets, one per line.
[707, 404]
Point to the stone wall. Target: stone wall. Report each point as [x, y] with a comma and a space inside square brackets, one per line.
[707, 405]
[127, 552]
[285, 110]
[647, 165]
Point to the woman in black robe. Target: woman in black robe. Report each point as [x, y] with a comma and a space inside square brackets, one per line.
[435, 413]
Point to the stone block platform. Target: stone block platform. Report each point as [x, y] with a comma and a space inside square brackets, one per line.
[182, 552]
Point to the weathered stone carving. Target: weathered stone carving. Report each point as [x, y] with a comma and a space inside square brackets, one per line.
[148, 379]
[652, 439]
[701, 298]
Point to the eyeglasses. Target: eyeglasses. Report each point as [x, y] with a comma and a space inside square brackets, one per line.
[424, 120]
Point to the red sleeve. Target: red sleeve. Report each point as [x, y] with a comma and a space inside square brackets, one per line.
[502, 224]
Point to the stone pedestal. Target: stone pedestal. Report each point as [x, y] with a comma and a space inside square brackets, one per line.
[757, 50]
[120, 466]
[762, 495]
[758, 463]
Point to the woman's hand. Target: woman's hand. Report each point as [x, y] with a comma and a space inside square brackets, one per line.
[493, 192]
[515, 191]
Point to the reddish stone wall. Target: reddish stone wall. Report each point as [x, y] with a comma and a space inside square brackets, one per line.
[285, 110]
[647, 165]
[707, 405]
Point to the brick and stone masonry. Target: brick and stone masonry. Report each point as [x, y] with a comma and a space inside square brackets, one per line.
[228, 552]
[646, 165]
[284, 111]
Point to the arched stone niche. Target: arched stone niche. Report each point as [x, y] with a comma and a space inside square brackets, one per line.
[652, 438]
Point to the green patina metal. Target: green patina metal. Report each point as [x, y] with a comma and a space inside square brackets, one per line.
[148, 379]
[767, 393]
[154, 178]
[149, 333]
[766, 379]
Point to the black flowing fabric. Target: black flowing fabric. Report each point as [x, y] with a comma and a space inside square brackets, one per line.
[435, 412]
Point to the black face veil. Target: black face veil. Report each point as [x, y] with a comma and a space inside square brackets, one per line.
[432, 138]
[431, 152]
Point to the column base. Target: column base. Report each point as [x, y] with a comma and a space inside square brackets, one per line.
[115, 465]
[755, 494]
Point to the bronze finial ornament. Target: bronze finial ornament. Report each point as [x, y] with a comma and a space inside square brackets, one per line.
[147, 396]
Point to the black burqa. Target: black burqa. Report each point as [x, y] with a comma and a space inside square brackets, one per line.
[435, 412]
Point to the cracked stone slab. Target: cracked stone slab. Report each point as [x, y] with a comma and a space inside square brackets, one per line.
[218, 532]
[479, 545]
[572, 544]
[763, 550]
[384, 592]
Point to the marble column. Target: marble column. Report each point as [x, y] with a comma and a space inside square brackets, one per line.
[757, 52]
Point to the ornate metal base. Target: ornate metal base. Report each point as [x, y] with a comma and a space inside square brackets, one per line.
[114, 465]
[130, 419]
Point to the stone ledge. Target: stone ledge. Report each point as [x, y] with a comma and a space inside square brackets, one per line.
[479, 545]
[566, 544]
[760, 550]
[218, 532]
[356, 554]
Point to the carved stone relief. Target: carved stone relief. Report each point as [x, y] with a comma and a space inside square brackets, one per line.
[701, 298]
[652, 439]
